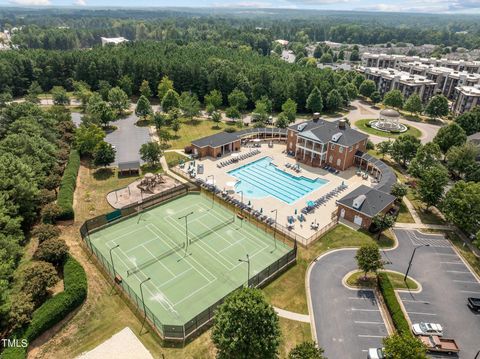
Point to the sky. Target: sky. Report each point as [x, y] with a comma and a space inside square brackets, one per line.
[416, 6]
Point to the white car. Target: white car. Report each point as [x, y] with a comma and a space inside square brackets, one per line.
[375, 353]
[427, 329]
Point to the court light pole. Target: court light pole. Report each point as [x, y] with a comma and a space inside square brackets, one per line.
[143, 303]
[248, 268]
[275, 231]
[411, 260]
[186, 228]
[241, 200]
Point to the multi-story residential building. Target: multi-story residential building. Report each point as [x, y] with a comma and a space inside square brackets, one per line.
[319, 142]
[465, 98]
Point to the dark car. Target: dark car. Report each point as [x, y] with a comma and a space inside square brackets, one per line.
[474, 304]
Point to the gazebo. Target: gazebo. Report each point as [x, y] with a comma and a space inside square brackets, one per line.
[388, 121]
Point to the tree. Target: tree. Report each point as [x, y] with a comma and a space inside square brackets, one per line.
[53, 251]
[369, 258]
[432, 185]
[384, 148]
[393, 98]
[118, 99]
[214, 98]
[413, 104]
[306, 350]
[87, 138]
[5, 98]
[33, 92]
[326, 58]
[404, 149]
[461, 206]
[314, 100]
[189, 104]
[289, 108]
[143, 108]
[163, 87]
[367, 88]
[382, 222]
[170, 100]
[21, 311]
[427, 156]
[103, 89]
[334, 100]
[399, 190]
[60, 96]
[159, 119]
[246, 326]
[470, 121]
[318, 52]
[151, 152]
[82, 92]
[216, 117]
[50, 213]
[404, 346]
[99, 111]
[238, 99]
[126, 84]
[358, 81]
[145, 90]
[36, 278]
[351, 90]
[45, 232]
[449, 136]
[104, 154]
[176, 126]
[355, 55]
[282, 120]
[341, 55]
[461, 159]
[437, 106]
[232, 112]
[375, 97]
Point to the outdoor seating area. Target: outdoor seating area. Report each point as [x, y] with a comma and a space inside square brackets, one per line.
[150, 181]
[311, 205]
[331, 169]
[235, 159]
[295, 167]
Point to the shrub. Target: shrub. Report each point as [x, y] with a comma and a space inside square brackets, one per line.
[46, 196]
[188, 149]
[45, 232]
[54, 251]
[67, 187]
[393, 306]
[50, 212]
[54, 309]
[230, 129]
[370, 145]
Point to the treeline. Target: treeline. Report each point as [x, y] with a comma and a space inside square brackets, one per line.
[70, 29]
[197, 68]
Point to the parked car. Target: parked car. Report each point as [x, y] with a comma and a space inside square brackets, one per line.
[437, 344]
[376, 353]
[427, 329]
[474, 304]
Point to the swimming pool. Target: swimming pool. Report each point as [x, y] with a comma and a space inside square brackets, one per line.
[262, 178]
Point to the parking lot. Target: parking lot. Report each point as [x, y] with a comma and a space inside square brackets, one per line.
[446, 284]
[347, 322]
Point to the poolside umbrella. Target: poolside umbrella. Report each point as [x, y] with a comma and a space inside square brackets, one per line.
[210, 181]
[234, 155]
[249, 203]
[310, 203]
[257, 140]
[261, 210]
[295, 211]
[230, 184]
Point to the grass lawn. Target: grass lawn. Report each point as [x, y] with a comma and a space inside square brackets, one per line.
[466, 253]
[173, 158]
[404, 215]
[193, 129]
[362, 125]
[357, 279]
[288, 290]
[426, 216]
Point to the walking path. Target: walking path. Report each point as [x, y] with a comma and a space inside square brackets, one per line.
[292, 316]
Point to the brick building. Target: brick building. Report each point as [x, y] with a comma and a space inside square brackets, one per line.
[319, 142]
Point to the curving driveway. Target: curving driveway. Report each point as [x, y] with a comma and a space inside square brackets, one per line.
[348, 322]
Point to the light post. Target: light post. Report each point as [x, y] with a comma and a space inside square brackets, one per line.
[274, 232]
[186, 228]
[248, 268]
[241, 200]
[411, 260]
[143, 303]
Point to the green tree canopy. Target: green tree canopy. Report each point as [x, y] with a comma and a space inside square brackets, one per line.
[143, 108]
[54, 251]
[450, 135]
[60, 96]
[413, 104]
[404, 149]
[314, 100]
[36, 278]
[427, 156]
[289, 108]
[437, 106]
[404, 346]
[393, 98]
[163, 87]
[145, 89]
[214, 98]
[461, 206]
[382, 222]
[399, 190]
[470, 121]
[33, 92]
[118, 99]
[367, 87]
[189, 104]
[238, 99]
[369, 258]
[461, 159]
[87, 138]
[306, 350]
[384, 147]
[432, 185]
[246, 326]
[170, 100]
[104, 154]
[151, 152]
[334, 100]
[375, 97]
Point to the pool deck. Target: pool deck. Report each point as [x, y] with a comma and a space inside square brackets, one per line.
[322, 215]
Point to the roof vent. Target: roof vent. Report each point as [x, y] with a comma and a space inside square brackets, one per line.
[342, 123]
[316, 116]
[336, 136]
[301, 127]
[357, 202]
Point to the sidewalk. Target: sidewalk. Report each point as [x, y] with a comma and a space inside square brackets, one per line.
[292, 316]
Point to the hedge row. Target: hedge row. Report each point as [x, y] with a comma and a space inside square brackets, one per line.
[67, 187]
[55, 308]
[393, 305]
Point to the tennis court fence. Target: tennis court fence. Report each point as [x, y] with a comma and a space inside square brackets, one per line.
[196, 325]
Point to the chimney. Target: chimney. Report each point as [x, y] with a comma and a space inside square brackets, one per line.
[342, 124]
[316, 116]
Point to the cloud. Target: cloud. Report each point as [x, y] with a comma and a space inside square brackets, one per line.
[31, 2]
[80, 2]
[243, 4]
[426, 6]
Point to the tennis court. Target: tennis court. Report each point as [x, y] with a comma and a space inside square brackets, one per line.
[186, 276]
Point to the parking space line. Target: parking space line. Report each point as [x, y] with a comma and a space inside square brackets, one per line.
[370, 336]
[415, 301]
[362, 322]
[456, 271]
[419, 313]
[466, 281]
[458, 262]
[470, 291]
[369, 298]
[365, 310]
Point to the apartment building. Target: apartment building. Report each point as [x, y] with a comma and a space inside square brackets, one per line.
[465, 99]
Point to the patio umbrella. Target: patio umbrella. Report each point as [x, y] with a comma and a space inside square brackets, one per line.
[261, 210]
[257, 140]
[234, 155]
[310, 203]
[210, 181]
[230, 184]
[295, 211]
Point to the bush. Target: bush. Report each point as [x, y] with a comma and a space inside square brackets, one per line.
[230, 129]
[370, 145]
[188, 150]
[54, 251]
[50, 213]
[393, 306]
[46, 196]
[45, 232]
[54, 309]
[67, 187]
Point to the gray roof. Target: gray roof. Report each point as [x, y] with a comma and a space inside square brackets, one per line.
[322, 131]
[130, 165]
[475, 138]
[374, 203]
[389, 113]
[388, 178]
[224, 138]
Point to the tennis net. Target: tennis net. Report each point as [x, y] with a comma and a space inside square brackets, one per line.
[148, 263]
[211, 230]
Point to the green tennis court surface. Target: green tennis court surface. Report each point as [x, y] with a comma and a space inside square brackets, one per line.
[186, 280]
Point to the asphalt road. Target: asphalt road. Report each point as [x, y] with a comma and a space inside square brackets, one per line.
[348, 322]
